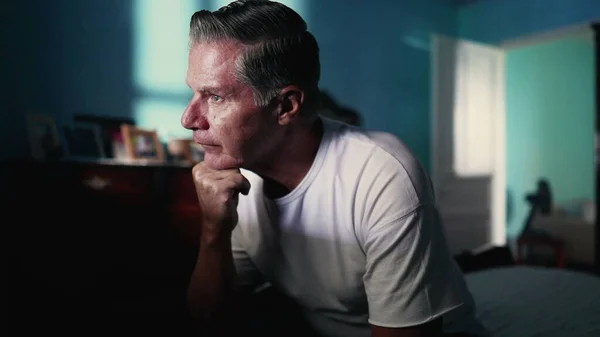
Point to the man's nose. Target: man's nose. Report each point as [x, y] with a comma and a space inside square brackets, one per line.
[193, 118]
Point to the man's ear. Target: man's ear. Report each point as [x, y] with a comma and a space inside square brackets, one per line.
[292, 101]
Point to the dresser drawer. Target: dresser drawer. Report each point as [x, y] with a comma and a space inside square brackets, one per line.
[123, 183]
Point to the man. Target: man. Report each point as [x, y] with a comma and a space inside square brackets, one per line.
[340, 220]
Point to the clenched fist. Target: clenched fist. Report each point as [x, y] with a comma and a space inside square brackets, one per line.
[218, 192]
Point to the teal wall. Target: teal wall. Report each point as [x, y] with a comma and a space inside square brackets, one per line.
[128, 58]
[68, 56]
[550, 115]
[495, 21]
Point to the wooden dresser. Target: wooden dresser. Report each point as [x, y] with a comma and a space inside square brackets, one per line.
[97, 244]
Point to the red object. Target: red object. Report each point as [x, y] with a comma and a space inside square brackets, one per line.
[557, 245]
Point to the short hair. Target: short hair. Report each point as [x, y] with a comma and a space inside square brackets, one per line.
[280, 51]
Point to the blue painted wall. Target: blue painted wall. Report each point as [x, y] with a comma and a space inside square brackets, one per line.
[72, 56]
[376, 59]
[80, 56]
[64, 57]
[550, 119]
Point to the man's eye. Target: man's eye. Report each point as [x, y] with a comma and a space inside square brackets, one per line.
[215, 98]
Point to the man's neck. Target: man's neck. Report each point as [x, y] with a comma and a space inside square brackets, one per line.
[291, 162]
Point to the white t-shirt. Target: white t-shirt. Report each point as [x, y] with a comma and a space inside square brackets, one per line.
[358, 241]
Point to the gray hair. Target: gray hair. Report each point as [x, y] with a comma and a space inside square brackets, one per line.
[279, 49]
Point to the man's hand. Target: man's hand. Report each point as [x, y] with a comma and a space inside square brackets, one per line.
[218, 196]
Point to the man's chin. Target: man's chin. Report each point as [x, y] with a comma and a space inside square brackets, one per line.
[221, 163]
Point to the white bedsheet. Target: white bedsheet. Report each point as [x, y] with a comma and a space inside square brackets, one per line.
[526, 301]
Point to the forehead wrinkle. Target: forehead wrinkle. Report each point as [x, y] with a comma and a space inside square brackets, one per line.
[208, 60]
[213, 64]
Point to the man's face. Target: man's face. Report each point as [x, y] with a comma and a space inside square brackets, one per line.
[222, 114]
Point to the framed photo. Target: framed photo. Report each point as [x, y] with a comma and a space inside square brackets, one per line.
[185, 150]
[83, 141]
[44, 139]
[110, 133]
[142, 144]
[196, 152]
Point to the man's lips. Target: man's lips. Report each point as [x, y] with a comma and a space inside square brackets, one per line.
[208, 147]
[204, 142]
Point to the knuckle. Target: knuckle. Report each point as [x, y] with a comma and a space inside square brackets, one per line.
[237, 179]
[198, 170]
[208, 186]
[197, 175]
[223, 198]
[198, 167]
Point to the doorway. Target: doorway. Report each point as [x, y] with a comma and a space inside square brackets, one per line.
[543, 117]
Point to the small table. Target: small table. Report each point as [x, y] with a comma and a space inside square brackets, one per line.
[541, 239]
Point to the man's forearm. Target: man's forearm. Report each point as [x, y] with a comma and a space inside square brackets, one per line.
[213, 291]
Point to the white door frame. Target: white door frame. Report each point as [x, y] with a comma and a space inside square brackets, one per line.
[498, 207]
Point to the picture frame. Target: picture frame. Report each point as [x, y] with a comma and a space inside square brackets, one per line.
[110, 132]
[44, 138]
[196, 152]
[142, 144]
[185, 150]
[84, 141]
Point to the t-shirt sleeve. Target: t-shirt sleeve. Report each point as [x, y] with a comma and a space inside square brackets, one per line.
[410, 277]
[249, 277]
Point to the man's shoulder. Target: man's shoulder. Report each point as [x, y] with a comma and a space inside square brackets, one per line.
[378, 163]
[372, 145]
[378, 153]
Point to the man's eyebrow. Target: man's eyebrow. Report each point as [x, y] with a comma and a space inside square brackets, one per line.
[210, 89]
[204, 88]
[213, 90]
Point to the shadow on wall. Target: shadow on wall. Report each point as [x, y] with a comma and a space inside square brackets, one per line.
[65, 57]
[330, 108]
[510, 207]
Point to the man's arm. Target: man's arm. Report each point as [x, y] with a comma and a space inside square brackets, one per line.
[410, 281]
[213, 294]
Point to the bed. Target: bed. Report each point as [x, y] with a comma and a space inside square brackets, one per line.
[533, 301]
